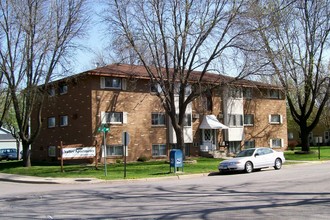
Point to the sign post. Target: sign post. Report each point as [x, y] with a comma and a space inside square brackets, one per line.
[125, 140]
[104, 129]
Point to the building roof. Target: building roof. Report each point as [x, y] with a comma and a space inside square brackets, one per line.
[135, 71]
[5, 135]
[139, 71]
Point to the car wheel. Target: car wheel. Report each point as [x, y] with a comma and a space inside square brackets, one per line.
[248, 167]
[278, 164]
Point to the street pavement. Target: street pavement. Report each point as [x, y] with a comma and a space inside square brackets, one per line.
[50, 180]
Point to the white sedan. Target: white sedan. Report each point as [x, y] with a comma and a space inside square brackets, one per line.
[253, 159]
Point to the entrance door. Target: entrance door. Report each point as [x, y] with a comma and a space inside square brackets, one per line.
[209, 139]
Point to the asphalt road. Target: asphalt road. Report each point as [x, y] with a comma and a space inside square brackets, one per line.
[294, 192]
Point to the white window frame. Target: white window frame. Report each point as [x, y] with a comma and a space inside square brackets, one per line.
[105, 118]
[278, 143]
[157, 118]
[64, 120]
[252, 119]
[51, 122]
[272, 116]
[156, 150]
[187, 120]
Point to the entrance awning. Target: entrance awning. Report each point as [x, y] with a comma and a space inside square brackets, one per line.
[211, 122]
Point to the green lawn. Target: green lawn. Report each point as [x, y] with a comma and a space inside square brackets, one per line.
[138, 170]
[134, 170]
[312, 156]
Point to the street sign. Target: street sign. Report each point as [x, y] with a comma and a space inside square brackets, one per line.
[125, 138]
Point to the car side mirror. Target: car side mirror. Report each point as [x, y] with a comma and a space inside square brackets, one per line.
[257, 154]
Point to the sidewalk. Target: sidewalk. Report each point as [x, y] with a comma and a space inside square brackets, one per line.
[46, 180]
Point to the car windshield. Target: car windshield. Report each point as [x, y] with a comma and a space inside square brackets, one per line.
[245, 153]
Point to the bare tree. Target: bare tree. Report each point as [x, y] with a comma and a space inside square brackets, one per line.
[294, 36]
[36, 37]
[172, 39]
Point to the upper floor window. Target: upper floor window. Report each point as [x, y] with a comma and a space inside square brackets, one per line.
[247, 93]
[63, 89]
[235, 120]
[275, 94]
[51, 91]
[51, 122]
[276, 143]
[112, 83]
[155, 88]
[248, 119]
[187, 120]
[114, 117]
[235, 92]
[158, 118]
[275, 119]
[177, 88]
[64, 120]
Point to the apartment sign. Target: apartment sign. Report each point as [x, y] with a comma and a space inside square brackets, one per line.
[77, 153]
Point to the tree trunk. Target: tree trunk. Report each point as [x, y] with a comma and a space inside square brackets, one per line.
[26, 154]
[304, 133]
[180, 141]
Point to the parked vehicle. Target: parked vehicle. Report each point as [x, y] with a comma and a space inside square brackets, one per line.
[253, 159]
[8, 154]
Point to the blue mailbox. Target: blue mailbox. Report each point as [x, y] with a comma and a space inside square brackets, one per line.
[176, 159]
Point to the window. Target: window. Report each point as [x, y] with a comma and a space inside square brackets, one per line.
[276, 143]
[159, 150]
[290, 135]
[206, 101]
[64, 120]
[275, 119]
[274, 94]
[235, 120]
[249, 144]
[248, 119]
[187, 120]
[52, 151]
[51, 91]
[51, 122]
[235, 92]
[115, 150]
[112, 83]
[63, 89]
[155, 88]
[247, 93]
[177, 88]
[114, 117]
[158, 118]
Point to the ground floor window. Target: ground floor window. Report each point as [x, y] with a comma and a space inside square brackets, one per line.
[115, 150]
[159, 150]
[234, 147]
[249, 144]
[276, 143]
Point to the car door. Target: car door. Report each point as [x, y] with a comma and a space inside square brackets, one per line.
[269, 157]
[258, 160]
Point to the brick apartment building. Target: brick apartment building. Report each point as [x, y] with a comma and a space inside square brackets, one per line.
[239, 115]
